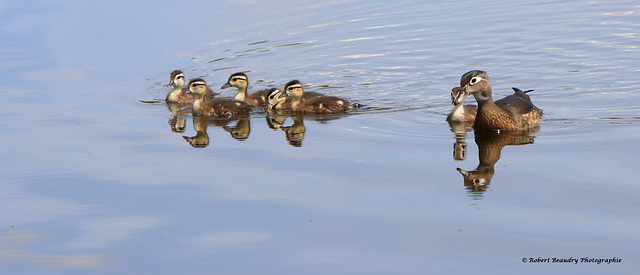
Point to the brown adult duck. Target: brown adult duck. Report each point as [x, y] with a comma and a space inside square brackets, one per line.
[241, 81]
[515, 113]
[467, 113]
[322, 104]
[179, 93]
[217, 107]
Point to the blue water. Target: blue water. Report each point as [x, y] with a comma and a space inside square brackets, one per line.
[94, 181]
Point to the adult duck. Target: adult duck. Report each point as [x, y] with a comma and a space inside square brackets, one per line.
[517, 113]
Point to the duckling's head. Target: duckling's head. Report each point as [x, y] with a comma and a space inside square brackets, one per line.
[176, 79]
[275, 97]
[293, 89]
[474, 83]
[454, 93]
[198, 86]
[238, 80]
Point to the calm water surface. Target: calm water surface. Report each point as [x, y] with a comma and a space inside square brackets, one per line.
[95, 181]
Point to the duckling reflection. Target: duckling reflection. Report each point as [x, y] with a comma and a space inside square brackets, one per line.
[460, 121]
[241, 130]
[295, 132]
[275, 122]
[490, 146]
[178, 121]
[460, 147]
[201, 139]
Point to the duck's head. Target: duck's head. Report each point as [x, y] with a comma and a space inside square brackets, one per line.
[176, 79]
[474, 83]
[197, 86]
[275, 97]
[454, 93]
[238, 80]
[294, 89]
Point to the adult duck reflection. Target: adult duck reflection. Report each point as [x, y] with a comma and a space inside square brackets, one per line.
[490, 146]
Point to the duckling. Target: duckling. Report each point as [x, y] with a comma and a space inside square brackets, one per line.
[177, 82]
[180, 94]
[241, 81]
[517, 113]
[319, 104]
[460, 112]
[467, 113]
[217, 107]
[276, 101]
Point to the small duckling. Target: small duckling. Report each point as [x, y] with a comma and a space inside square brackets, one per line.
[319, 104]
[241, 81]
[517, 113]
[276, 101]
[180, 93]
[217, 107]
[177, 82]
[460, 112]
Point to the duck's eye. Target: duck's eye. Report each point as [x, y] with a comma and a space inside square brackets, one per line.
[197, 84]
[475, 80]
[180, 77]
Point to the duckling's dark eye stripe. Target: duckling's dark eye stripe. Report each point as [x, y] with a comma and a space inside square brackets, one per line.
[238, 78]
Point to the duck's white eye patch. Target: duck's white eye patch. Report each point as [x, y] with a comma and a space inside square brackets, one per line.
[475, 80]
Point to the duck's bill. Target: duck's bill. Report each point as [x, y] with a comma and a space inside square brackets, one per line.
[226, 85]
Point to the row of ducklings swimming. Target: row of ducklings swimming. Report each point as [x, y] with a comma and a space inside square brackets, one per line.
[514, 112]
[292, 99]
